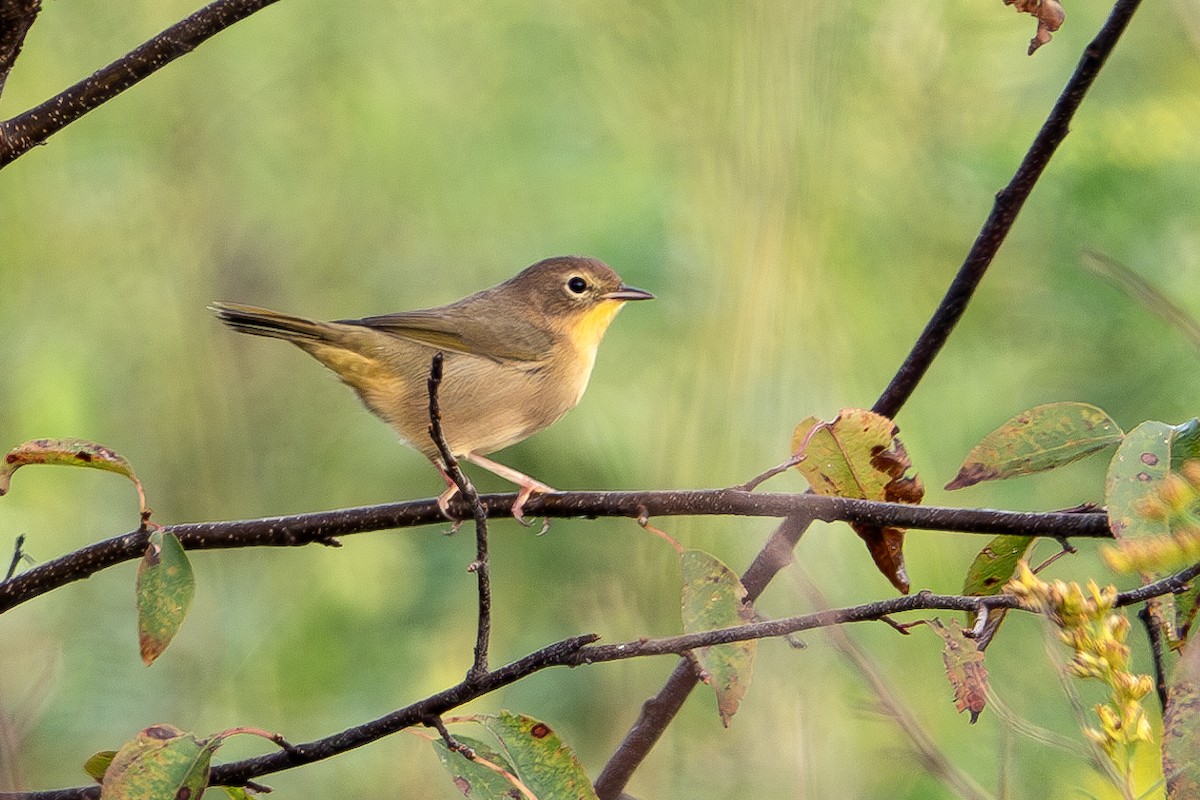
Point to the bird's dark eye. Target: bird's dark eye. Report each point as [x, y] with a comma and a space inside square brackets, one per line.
[577, 284]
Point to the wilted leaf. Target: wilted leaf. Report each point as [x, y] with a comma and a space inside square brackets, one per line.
[1050, 17]
[98, 764]
[160, 762]
[858, 455]
[1181, 728]
[989, 572]
[1039, 439]
[68, 452]
[713, 598]
[964, 668]
[540, 758]
[164, 591]
[474, 778]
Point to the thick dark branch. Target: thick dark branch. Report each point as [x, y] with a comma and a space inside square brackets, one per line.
[16, 18]
[1008, 204]
[322, 527]
[658, 711]
[21, 133]
[580, 651]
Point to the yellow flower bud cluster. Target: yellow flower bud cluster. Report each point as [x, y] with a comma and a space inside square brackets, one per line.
[1088, 625]
[1176, 502]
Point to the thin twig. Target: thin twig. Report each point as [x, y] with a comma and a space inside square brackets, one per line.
[18, 555]
[659, 710]
[479, 666]
[25, 131]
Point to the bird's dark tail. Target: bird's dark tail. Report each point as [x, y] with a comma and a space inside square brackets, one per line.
[264, 322]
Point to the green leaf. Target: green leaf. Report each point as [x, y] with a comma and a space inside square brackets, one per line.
[160, 762]
[713, 598]
[1136, 473]
[990, 571]
[1036, 440]
[237, 793]
[165, 587]
[474, 778]
[72, 453]
[540, 758]
[1181, 727]
[98, 764]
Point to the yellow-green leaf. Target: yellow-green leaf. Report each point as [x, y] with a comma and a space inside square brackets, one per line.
[990, 571]
[540, 758]
[160, 762]
[964, 668]
[68, 452]
[474, 778]
[165, 586]
[97, 765]
[1181, 727]
[713, 598]
[1036, 440]
[859, 455]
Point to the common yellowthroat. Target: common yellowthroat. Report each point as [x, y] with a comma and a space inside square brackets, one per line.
[517, 357]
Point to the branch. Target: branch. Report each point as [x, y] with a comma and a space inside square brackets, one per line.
[1004, 212]
[16, 18]
[479, 667]
[580, 651]
[322, 527]
[659, 710]
[25, 131]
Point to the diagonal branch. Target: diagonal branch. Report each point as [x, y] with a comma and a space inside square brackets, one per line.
[659, 710]
[322, 527]
[25, 131]
[16, 18]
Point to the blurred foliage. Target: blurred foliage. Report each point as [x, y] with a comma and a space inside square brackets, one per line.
[797, 182]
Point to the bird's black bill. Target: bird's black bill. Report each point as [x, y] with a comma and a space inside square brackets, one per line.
[628, 293]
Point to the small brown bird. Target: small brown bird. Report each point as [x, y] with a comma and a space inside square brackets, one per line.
[517, 357]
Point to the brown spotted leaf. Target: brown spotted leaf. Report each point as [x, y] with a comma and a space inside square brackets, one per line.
[713, 597]
[964, 668]
[160, 762]
[858, 455]
[542, 761]
[68, 452]
[165, 587]
[1036, 440]
[1050, 17]
[1181, 727]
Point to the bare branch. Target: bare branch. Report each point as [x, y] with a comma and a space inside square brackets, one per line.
[1004, 213]
[479, 666]
[25, 131]
[322, 527]
[16, 18]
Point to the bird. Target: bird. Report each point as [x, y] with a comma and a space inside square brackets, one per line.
[517, 357]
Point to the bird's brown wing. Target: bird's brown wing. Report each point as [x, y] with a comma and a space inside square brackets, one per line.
[501, 337]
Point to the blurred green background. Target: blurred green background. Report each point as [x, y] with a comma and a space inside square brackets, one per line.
[797, 182]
